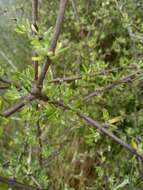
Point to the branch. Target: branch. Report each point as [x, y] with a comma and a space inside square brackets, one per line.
[39, 138]
[126, 79]
[65, 79]
[4, 87]
[103, 130]
[34, 24]
[9, 82]
[58, 26]
[36, 182]
[34, 11]
[18, 106]
[35, 92]
[35, 95]
[100, 127]
[57, 31]
[100, 72]
[15, 184]
[140, 167]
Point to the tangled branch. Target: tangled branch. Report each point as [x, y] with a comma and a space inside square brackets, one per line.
[15, 184]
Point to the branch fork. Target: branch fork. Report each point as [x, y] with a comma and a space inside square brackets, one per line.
[38, 84]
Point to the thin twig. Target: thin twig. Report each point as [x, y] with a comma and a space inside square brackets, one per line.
[35, 63]
[100, 72]
[103, 130]
[34, 23]
[126, 79]
[140, 167]
[30, 97]
[57, 31]
[15, 184]
[34, 12]
[40, 145]
[36, 182]
[4, 87]
[18, 106]
[10, 83]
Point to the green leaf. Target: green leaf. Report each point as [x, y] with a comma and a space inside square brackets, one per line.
[115, 120]
[1, 103]
[21, 29]
[37, 58]
[1, 132]
[105, 114]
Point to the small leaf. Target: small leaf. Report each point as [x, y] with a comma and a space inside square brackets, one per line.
[4, 121]
[38, 58]
[20, 29]
[1, 132]
[105, 114]
[62, 50]
[134, 144]
[1, 103]
[115, 120]
[59, 45]
[50, 53]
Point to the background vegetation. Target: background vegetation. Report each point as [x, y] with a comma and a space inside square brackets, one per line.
[96, 70]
